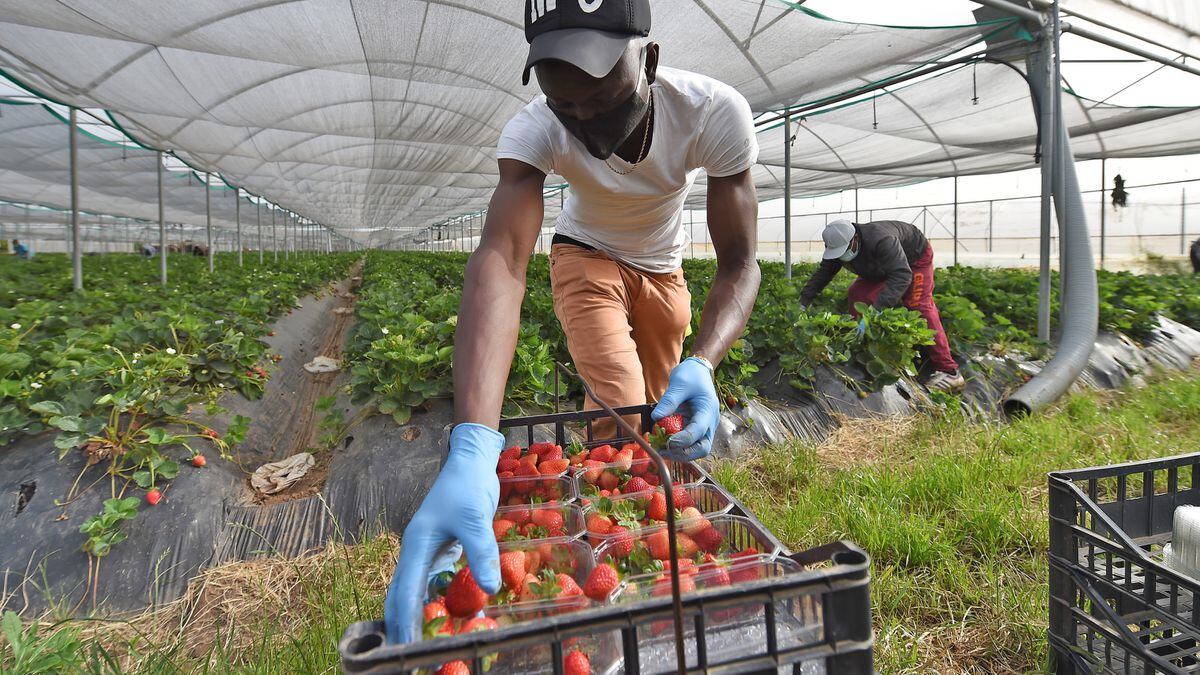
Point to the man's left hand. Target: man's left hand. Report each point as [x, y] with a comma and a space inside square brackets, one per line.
[690, 386]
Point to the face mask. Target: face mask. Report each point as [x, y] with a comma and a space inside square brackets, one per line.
[603, 134]
[848, 255]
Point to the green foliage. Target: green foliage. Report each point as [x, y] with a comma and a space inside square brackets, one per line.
[27, 651]
[103, 530]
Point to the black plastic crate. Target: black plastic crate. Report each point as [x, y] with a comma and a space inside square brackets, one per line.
[815, 621]
[1114, 607]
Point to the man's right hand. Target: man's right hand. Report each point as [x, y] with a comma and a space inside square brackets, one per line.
[457, 510]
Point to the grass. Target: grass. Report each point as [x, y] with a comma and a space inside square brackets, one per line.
[953, 513]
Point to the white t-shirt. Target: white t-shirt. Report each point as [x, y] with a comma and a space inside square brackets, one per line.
[699, 123]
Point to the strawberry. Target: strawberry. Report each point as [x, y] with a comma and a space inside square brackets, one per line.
[436, 620]
[547, 452]
[717, 575]
[592, 469]
[598, 524]
[637, 484]
[693, 522]
[601, 582]
[519, 516]
[687, 546]
[506, 464]
[602, 454]
[198, 461]
[577, 460]
[501, 528]
[479, 623]
[662, 585]
[511, 453]
[553, 467]
[609, 480]
[657, 508]
[549, 518]
[577, 663]
[672, 424]
[464, 597]
[531, 460]
[153, 496]
[686, 566]
[659, 545]
[624, 459]
[533, 561]
[653, 480]
[682, 497]
[622, 542]
[512, 569]
[709, 540]
[454, 668]
[529, 587]
[526, 468]
[569, 588]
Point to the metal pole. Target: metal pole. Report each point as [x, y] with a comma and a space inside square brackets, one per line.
[208, 221]
[76, 250]
[991, 213]
[1183, 221]
[274, 235]
[1049, 137]
[956, 219]
[856, 205]
[287, 221]
[787, 196]
[1103, 211]
[1060, 166]
[162, 226]
[237, 215]
[258, 225]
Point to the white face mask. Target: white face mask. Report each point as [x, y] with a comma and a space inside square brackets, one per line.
[848, 255]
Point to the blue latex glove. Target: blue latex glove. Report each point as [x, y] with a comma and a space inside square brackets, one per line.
[456, 514]
[690, 386]
[862, 328]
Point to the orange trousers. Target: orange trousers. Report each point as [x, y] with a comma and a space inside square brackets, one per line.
[624, 327]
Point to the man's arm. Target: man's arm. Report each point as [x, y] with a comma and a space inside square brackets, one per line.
[490, 314]
[890, 255]
[825, 273]
[733, 227]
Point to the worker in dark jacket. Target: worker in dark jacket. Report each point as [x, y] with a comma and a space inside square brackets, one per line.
[894, 264]
[1195, 254]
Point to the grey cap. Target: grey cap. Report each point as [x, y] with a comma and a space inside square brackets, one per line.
[837, 236]
[595, 52]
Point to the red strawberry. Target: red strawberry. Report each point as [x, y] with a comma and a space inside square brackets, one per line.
[686, 566]
[672, 424]
[512, 569]
[553, 467]
[624, 459]
[693, 522]
[716, 575]
[598, 524]
[637, 484]
[568, 585]
[592, 469]
[506, 464]
[533, 561]
[653, 480]
[549, 518]
[602, 454]
[526, 468]
[682, 497]
[153, 496]
[436, 620]
[659, 545]
[464, 597]
[479, 623]
[519, 516]
[709, 540]
[546, 451]
[687, 546]
[577, 663]
[531, 460]
[454, 668]
[501, 528]
[622, 542]
[602, 581]
[609, 480]
[662, 585]
[528, 587]
[511, 453]
[577, 460]
[657, 508]
[198, 461]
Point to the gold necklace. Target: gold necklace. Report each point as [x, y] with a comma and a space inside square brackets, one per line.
[645, 137]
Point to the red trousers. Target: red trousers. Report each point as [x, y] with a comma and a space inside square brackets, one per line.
[918, 297]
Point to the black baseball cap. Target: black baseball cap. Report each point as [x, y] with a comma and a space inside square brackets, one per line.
[589, 34]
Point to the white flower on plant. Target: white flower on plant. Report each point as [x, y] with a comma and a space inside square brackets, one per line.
[36, 385]
[171, 351]
[135, 361]
[384, 330]
[136, 356]
[15, 326]
[218, 322]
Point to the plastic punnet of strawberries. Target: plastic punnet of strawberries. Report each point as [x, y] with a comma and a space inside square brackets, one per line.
[537, 521]
[532, 475]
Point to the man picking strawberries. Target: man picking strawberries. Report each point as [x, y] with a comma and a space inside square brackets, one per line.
[630, 138]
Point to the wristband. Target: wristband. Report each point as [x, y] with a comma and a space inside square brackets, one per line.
[705, 362]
